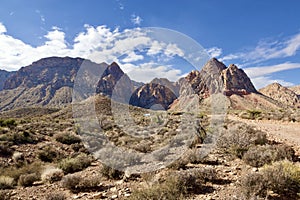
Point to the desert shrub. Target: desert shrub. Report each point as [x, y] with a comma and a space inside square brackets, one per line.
[8, 123]
[15, 173]
[110, 172]
[22, 137]
[71, 181]
[67, 138]
[6, 182]
[5, 149]
[282, 178]
[75, 182]
[56, 196]
[47, 154]
[71, 165]
[257, 156]
[51, 174]
[79, 147]
[27, 180]
[238, 139]
[176, 185]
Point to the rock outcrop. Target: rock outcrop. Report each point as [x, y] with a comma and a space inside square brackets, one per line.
[154, 96]
[4, 75]
[281, 94]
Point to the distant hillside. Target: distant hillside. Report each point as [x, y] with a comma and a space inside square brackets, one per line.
[49, 82]
[281, 94]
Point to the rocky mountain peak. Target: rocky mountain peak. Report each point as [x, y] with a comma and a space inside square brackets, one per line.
[281, 94]
[213, 66]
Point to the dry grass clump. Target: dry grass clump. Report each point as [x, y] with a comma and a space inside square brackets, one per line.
[56, 196]
[67, 138]
[257, 156]
[282, 178]
[6, 182]
[51, 174]
[27, 180]
[110, 172]
[71, 165]
[26, 169]
[76, 182]
[238, 139]
[48, 154]
[177, 185]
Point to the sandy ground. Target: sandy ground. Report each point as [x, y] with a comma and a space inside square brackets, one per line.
[287, 132]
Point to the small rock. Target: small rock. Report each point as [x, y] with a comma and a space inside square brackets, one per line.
[36, 183]
[113, 189]
[97, 195]
[255, 169]
[114, 196]
[127, 195]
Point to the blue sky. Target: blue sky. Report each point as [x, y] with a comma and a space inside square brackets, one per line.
[262, 37]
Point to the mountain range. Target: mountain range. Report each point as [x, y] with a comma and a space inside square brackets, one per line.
[50, 81]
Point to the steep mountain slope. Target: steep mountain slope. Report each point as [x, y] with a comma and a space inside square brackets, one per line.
[296, 89]
[281, 94]
[49, 82]
[153, 95]
[4, 75]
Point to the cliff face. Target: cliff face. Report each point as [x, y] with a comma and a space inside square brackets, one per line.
[4, 75]
[215, 77]
[153, 95]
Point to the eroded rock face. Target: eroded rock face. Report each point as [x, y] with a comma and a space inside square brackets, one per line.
[281, 94]
[4, 75]
[236, 81]
[153, 95]
[215, 77]
[55, 71]
[115, 84]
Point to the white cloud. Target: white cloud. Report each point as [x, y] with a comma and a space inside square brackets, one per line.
[136, 20]
[148, 71]
[172, 50]
[99, 44]
[266, 70]
[132, 57]
[266, 50]
[261, 76]
[2, 28]
[214, 52]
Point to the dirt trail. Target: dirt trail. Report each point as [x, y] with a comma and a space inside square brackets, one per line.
[287, 132]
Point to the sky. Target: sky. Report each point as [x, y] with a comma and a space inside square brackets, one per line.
[261, 37]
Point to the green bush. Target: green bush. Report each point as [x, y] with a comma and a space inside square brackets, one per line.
[67, 138]
[27, 180]
[6, 182]
[71, 165]
[283, 178]
[257, 156]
